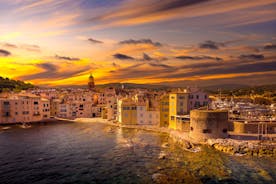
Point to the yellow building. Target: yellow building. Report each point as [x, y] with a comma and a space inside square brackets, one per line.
[164, 111]
[127, 112]
[179, 106]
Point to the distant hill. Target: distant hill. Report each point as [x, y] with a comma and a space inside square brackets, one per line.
[133, 85]
[225, 87]
[7, 84]
[240, 90]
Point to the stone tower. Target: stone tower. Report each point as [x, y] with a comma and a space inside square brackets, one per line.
[91, 84]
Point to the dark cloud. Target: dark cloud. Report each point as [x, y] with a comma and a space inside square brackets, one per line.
[122, 57]
[270, 46]
[115, 64]
[10, 45]
[146, 57]
[227, 69]
[139, 71]
[160, 65]
[4, 53]
[48, 66]
[66, 58]
[51, 71]
[201, 65]
[91, 40]
[211, 45]
[251, 57]
[175, 4]
[141, 41]
[199, 58]
[150, 7]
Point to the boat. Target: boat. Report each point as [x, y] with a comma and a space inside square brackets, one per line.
[25, 125]
[6, 128]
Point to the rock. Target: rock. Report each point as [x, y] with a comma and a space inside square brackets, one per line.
[162, 155]
[187, 145]
[160, 178]
[165, 145]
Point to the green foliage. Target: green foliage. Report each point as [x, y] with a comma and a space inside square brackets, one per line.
[7, 84]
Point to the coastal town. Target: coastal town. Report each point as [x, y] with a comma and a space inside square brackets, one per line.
[189, 112]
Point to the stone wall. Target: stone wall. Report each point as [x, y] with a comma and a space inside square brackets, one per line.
[252, 127]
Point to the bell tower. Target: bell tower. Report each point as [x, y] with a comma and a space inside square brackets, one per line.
[91, 84]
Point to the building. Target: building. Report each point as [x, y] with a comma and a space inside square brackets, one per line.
[179, 106]
[111, 103]
[91, 84]
[181, 103]
[147, 116]
[206, 124]
[164, 110]
[127, 111]
[23, 108]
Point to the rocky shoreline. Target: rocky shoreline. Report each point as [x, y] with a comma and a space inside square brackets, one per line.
[242, 147]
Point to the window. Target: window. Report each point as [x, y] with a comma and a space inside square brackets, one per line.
[6, 103]
[182, 97]
[172, 97]
[205, 131]
[35, 103]
[205, 96]
[81, 107]
[197, 104]
[224, 130]
[197, 97]
[192, 128]
[172, 117]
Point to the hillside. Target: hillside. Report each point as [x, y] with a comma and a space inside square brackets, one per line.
[7, 84]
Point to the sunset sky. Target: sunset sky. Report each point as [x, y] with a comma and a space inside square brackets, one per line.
[176, 42]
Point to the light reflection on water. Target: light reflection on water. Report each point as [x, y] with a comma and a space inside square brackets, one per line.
[97, 153]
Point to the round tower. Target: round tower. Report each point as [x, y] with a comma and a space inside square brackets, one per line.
[206, 124]
[91, 84]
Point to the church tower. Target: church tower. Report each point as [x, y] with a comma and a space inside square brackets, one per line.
[91, 84]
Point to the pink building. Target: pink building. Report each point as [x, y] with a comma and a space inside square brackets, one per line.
[23, 108]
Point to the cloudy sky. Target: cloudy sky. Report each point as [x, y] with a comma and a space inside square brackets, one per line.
[180, 42]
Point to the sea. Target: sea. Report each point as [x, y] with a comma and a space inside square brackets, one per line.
[95, 153]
